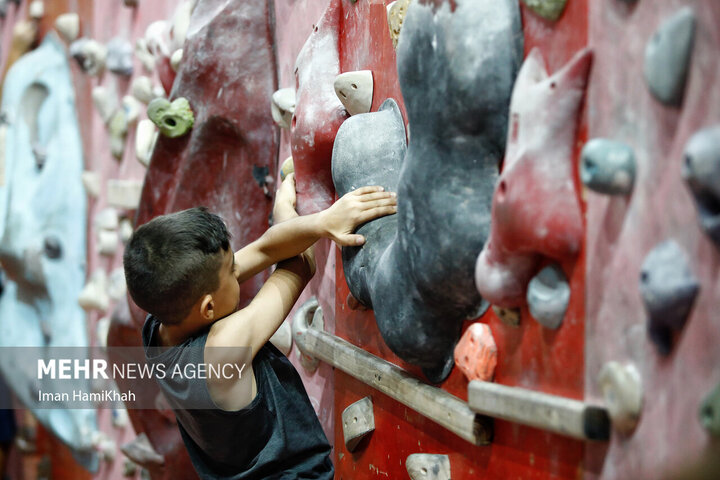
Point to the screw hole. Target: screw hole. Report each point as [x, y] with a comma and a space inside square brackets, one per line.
[354, 86]
[170, 122]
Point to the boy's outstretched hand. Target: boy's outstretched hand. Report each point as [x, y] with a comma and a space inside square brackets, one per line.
[354, 209]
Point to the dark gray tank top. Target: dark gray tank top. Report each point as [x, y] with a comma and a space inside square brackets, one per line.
[277, 436]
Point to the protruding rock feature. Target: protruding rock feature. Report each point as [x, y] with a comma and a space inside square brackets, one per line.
[701, 172]
[396, 12]
[90, 55]
[709, 412]
[668, 288]
[124, 193]
[536, 214]
[68, 26]
[426, 466]
[622, 389]
[105, 103]
[309, 315]
[120, 56]
[282, 107]
[548, 296]
[146, 135]
[476, 353]
[667, 57]
[508, 316]
[94, 295]
[547, 9]
[173, 119]
[358, 422]
[419, 285]
[608, 166]
[282, 338]
[355, 91]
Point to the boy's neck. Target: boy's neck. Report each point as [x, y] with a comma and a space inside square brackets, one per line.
[171, 335]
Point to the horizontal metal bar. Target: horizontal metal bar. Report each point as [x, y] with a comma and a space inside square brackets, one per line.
[431, 402]
[556, 414]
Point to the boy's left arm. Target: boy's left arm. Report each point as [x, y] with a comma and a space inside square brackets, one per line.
[292, 235]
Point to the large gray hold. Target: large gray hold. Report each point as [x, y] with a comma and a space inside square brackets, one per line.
[667, 57]
[548, 296]
[607, 166]
[456, 73]
[668, 288]
[701, 171]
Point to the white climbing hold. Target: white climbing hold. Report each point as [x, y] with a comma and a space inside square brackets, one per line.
[101, 331]
[426, 466]
[124, 193]
[132, 108]
[146, 134]
[176, 58]
[622, 388]
[94, 295]
[125, 229]
[143, 54]
[107, 242]
[355, 91]
[36, 9]
[68, 26]
[180, 25]
[117, 285]
[91, 182]
[90, 55]
[105, 103]
[142, 89]
[282, 107]
[157, 39]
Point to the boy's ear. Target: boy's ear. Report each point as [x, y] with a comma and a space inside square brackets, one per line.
[207, 307]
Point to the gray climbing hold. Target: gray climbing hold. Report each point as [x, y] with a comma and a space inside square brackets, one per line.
[607, 166]
[701, 171]
[548, 9]
[668, 288]
[427, 466]
[667, 57]
[358, 421]
[120, 56]
[548, 296]
[710, 412]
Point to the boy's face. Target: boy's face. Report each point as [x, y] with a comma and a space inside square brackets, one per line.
[227, 295]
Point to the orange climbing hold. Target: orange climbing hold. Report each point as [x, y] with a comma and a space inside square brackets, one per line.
[476, 353]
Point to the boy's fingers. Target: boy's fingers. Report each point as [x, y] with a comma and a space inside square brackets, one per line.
[351, 240]
[376, 212]
[376, 196]
[368, 189]
[383, 202]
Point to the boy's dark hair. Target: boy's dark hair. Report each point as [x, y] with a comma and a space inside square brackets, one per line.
[173, 260]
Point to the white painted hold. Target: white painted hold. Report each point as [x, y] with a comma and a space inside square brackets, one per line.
[622, 389]
[425, 466]
[107, 242]
[124, 193]
[91, 182]
[282, 107]
[107, 219]
[282, 338]
[142, 89]
[143, 54]
[68, 26]
[117, 128]
[94, 296]
[157, 38]
[36, 9]
[355, 91]
[120, 418]
[90, 54]
[125, 230]
[132, 108]
[117, 286]
[176, 58]
[101, 331]
[105, 103]
[181, 23]
[146, 135]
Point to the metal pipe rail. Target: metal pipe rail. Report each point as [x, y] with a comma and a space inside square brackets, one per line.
[548, 412]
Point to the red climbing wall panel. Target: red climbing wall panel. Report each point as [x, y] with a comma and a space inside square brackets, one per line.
[528, 356]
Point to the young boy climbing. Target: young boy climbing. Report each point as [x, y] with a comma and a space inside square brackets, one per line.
[180, 268]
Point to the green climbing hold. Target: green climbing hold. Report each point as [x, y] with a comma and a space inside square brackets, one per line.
[710, 412]
[549, 9]
[173, 119]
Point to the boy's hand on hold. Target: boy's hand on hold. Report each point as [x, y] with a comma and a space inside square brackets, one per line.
[285, 200]
[354, 209]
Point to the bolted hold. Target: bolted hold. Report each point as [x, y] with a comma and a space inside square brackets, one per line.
[358, 422]
[145, 137]
[668, 288]
[396, 12]
[282, 107]
[89, 54]
[710, 412]
[476, 353]
[355, 91]
[548, 296]
[68, 26]
[622, 389]
[701, 172]
[547, 9]
[173, 119]
[607, 166]
[667, 57]
[426, 466]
